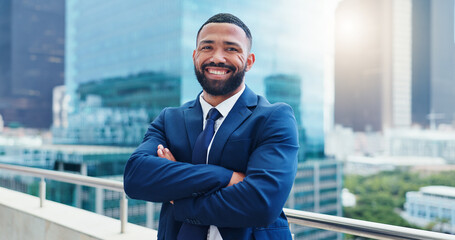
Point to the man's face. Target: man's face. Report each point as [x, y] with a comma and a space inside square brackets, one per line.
[221, 58]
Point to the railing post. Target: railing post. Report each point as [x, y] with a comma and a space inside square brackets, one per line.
[123, 212]
[99, 200]
[42, 192]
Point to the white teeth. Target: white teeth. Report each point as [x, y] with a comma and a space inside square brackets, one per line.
[217, 72]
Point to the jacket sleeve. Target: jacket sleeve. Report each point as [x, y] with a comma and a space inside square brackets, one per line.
[151, 178]
[257, 200]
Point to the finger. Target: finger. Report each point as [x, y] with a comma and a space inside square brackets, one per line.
[169, 154]
[160, 153]
[160, 147]
[167, 151]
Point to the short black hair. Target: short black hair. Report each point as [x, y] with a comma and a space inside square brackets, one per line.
[228, 18]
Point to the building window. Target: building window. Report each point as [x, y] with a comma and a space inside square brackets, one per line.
[433, 212]
[446, 213]
[421, 211]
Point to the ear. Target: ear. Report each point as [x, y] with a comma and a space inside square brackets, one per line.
[194, 54]
[250, 61]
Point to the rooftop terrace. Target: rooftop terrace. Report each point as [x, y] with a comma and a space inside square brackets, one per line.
[28, 217]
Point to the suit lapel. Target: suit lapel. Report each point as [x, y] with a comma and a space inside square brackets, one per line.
[193, 121]
[239, 113]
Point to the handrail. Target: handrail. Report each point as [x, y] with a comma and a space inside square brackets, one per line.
[360, 227]
[309, 219]
[66, 177]
[76, 179]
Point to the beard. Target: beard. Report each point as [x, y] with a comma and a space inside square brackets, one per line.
[220, 87]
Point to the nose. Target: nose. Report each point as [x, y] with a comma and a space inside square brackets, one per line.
[218, 57]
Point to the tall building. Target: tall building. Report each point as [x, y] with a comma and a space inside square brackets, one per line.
[119, 40]
[31, 60]
[115, 111]
[398, 74]
[59, 107]
[421, 59]
[442, 62]
[317, 188]
[433, 57]
[127, 58]
[1, 124]
[373, 87]
[318, 183]
[287, 88]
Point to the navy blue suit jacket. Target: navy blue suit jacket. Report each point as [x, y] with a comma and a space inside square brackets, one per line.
[256, 138]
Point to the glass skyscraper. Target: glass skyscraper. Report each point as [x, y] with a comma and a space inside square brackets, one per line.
[127, 58]
[400, 64]
[121, 39]
[317, 186]
[31, 60]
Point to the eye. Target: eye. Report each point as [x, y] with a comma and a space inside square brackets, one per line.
[231, 49]
[206, 47]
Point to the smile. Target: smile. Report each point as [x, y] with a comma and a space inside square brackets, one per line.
[217, 72]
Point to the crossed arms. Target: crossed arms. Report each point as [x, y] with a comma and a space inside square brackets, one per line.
[214, 195]
[163, 152]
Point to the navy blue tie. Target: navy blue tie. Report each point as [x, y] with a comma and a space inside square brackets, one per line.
[190, 231]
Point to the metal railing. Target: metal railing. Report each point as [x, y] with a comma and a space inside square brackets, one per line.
[361, 228]
[76, 179]
[309, 219]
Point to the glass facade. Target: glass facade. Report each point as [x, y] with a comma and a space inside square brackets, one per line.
[317, 188]
[116, 111]
[105, 41]
[5, 48]
[421, 68]
[287, 88]
[119, 39]
[400, 70]
[442, 61]
[127, 60]
[31, 60]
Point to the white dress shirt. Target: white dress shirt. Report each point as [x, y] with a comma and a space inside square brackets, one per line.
[224, 108]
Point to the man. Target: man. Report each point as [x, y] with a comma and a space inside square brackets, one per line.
[238, 189]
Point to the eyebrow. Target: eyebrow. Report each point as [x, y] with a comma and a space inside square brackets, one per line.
[206, 42]
[232, 43]
[225, 42]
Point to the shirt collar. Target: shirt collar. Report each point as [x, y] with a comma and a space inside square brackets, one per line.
[224, 107]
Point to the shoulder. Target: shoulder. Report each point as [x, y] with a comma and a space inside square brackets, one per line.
[174, 114]
[265, 107]
[275, 123]
[272, 117]
[180, 109]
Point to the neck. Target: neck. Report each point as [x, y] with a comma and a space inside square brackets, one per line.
[215, 100]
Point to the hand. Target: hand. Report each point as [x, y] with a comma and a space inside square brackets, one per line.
[236, 178]
[165, 153]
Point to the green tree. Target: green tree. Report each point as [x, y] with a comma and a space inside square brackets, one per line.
[381, 197]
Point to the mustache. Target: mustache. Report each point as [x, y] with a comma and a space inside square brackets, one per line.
[212, 64]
